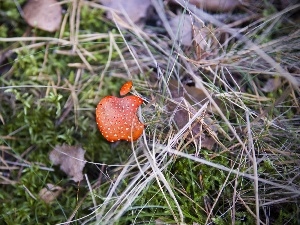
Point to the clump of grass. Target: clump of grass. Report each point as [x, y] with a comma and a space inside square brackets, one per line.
[50, 91]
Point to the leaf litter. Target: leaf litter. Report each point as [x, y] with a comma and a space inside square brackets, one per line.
[70, 159]
[216, 5]
[43, 14]
[182, 109]
[49, 193]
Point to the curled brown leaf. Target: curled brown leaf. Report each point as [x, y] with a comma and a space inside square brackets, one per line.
[71, 160]
[49, 193]
[43, 14]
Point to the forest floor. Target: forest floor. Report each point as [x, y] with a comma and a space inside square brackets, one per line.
[220, 90]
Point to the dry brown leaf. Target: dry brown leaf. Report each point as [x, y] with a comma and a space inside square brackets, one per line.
[272, 84]
[182, 28]
[188, 31]
[216, 5]
[135, 9]
[183, 97]
[181, 116]
[49, 193]
[191, 94]
[71, 160]
[43, 14]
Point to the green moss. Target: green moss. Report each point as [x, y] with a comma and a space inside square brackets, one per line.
[27, 208]
[34, 98]
[92, 20]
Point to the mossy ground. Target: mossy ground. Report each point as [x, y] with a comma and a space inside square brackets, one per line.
[48, 95]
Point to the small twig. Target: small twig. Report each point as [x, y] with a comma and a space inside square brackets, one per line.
[29, 192]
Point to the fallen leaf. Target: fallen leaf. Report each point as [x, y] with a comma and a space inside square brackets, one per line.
[133, 9]
[216, 5]
[71, 160]
[182, 112]
[49, 193]
[272, 84]
[187, 31]
[43, 14]
[181, 106]
[192, 94]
